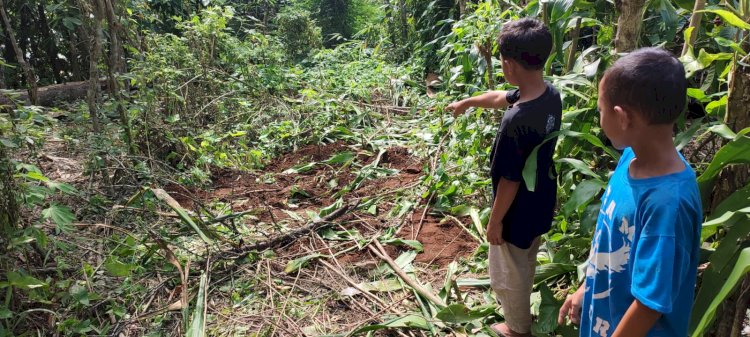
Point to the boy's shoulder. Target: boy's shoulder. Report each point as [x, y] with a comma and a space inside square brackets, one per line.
[549, 102]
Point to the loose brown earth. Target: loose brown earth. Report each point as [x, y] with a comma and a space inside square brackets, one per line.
[268, 194]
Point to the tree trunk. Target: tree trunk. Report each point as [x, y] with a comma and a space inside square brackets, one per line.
[404, 21]
[8, 203]
[30, 78]
[115, 67]
[695, 21]
[486, 51]
[51, 95]
[94, 54]
[575, 35]
[73, 57]
[732, 313]
[50, 44]
[461, 8]
[628, 24]
[738, 115]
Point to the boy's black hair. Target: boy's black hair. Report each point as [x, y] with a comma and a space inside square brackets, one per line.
[650, 81]
[527, 41]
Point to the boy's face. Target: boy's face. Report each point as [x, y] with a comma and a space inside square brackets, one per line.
[613, 119]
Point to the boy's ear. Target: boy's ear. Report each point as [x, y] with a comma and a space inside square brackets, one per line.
[622, 116]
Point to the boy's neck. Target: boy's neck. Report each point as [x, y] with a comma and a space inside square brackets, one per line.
[655, 154]
[531, 85]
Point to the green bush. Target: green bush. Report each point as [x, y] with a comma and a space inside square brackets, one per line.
[298, 32]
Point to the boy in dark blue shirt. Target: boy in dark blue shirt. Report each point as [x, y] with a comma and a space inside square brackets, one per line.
[520, 216]
[641, 272]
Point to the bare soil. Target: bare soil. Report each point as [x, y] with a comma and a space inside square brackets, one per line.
[272, 193]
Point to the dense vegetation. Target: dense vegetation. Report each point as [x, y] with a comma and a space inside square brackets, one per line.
[284, 168]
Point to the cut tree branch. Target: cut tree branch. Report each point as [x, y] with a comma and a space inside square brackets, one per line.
[294, 234]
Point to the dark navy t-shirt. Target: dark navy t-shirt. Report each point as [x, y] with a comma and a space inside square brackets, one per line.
[525, 126]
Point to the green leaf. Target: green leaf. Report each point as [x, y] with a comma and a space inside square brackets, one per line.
[685, 4]
[296, 264]
[696, 93]
[729, 18]
[80, 294]
[723, 130]
[683, 138]
[410, 243]
[5, 313]
[724, 42]
[734, 152]
[198, 323]
[552, 270]
[386, 285]
[62, 187]
[117, 268]
[403, 261]
[736, 201]
[61, 216]
[182, 213]
[582, 195]
[726, 219]
[580, 166]
[473, 283]
[740, 268]
[301, 168]
[548, 312]
[718, 107]
[703, 61]
[331, 208]
[36, 176]
[448, 283]
[7, 143]
[23, 281]
[529, 169]
[719, 267]
[409, 321]
[459, 314]
[340, 158]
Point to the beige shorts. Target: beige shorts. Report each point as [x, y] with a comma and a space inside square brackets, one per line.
[512, 278]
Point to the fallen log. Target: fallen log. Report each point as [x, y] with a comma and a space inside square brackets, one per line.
[50, 95]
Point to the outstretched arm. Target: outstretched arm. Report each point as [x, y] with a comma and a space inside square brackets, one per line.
[489, 100]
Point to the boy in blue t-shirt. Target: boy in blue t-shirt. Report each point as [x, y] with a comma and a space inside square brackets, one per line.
[644, 255]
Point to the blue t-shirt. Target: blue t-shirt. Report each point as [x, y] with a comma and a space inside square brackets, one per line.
[646, 247]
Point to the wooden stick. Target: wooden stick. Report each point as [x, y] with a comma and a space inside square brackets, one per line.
[381, 253]
[297, 233]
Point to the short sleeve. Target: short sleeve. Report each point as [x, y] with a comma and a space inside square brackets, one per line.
[513, 96]
[661, 260]
[510, 156]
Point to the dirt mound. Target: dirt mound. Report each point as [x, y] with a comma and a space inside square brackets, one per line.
[443, 239]
[273, 193]
[306, 154]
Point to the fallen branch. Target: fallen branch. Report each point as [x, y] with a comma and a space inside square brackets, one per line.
[381, 253]
[294, 234]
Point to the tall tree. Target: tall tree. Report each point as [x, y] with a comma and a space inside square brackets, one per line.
[30, 78]
[695, 20]
[95, 51]
[50, 43]
[733, 311]
[115, 66]
[628, 24]
[8, 203]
